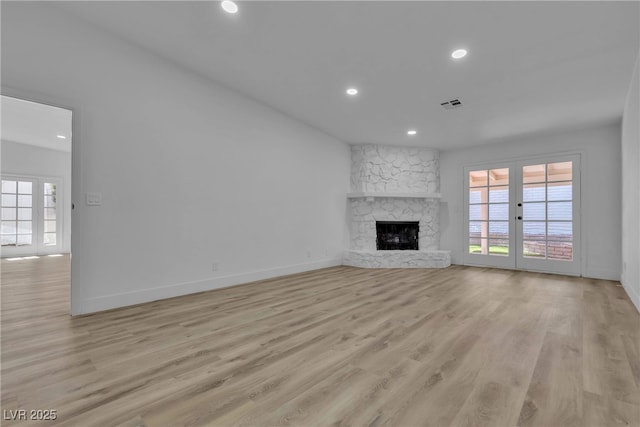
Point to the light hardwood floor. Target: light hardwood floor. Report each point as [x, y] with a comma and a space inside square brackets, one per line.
[340, 346]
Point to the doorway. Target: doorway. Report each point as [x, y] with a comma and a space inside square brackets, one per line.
[524, 215]
[35, 205]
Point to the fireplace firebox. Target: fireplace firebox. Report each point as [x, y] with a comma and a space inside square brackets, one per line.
[397, 235]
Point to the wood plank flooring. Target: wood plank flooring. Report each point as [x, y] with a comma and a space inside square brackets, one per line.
[341, 346]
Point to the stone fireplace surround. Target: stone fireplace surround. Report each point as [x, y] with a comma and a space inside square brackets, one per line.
[394, 184]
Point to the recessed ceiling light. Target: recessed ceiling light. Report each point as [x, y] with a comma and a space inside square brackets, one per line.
[61, 136]
[229, 6]
[459, 53]
[412, 132]
[352, 91]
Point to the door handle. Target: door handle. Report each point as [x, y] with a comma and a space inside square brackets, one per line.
[518, 217]
[519, 205]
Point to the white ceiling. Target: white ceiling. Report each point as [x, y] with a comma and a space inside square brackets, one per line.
[532, 66]
[36, 124]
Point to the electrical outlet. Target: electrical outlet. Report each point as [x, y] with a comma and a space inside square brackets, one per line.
[215, 265]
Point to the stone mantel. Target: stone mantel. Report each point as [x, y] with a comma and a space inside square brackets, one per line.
[376, 195]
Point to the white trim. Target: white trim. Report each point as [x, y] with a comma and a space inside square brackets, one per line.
[573, 267]
[107, 302]
[486, 260]
[602, 274]
[76, 242]
[362, 195]
[633, 296]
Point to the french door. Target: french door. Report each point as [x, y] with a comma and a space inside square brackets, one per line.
[524, 215]
[31, 216]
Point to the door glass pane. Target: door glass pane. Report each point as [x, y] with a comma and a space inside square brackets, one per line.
[49, 188]
[477, 195]
[25, 187]
[560, 211]
[24, 227]
[534, 249]
[533, 230]
[499, 177]
[560, 250]
[49, 202]
[49, 239]
[499, 194]
[8, 227]
[24, 214]
[8, 239]
[533, 192]
[8, 200]
[562, 231]
[559, 191]
[533, 211]
[24, 239]
[49, 213]
[499, 212]
[499, 229]
[533, 173]
[8, 214]
[478, 178]
[8, 186]
[562, 171]
[24, 200]
[49, 226]
[478, 246]
[499, 246]
[476, 229]
[477, 212]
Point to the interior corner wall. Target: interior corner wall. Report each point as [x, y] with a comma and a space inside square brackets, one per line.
[631, 190]
[193, 175]
[33, 161]
[600, 187]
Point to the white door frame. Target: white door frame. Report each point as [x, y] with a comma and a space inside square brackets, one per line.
[515, 259]
[572, 267]
[480, 260]
[76, 186]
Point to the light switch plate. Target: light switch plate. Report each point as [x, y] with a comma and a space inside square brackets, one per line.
[94, 199]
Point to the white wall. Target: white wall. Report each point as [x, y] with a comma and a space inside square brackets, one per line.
[631, 190]
[601, 194]
[29, 160]
[266, 194]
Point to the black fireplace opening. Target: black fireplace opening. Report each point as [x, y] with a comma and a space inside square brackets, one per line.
[397, 235]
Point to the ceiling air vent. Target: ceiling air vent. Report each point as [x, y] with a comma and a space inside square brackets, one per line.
[450, 105]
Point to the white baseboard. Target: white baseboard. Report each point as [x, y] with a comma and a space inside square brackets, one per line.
[602, 274]
[633, 295]
[107, 302]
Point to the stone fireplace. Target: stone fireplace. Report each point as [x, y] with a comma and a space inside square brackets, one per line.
[394, 185]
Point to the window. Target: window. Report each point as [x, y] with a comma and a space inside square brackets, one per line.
[17, 213]
[50, 208]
